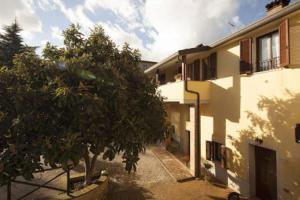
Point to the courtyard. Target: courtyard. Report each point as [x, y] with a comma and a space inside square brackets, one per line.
[150, 181]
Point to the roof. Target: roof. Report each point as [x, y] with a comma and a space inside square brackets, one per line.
[285, 11]
[197, 49]
[147, 61]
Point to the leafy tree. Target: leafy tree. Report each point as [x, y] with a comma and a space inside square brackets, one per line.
[96, 103]
[23, 116]
[10, 44]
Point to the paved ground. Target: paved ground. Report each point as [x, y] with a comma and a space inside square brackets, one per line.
[175, 168]
[151, 181]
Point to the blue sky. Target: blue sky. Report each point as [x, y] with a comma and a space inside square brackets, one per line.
[157, 27]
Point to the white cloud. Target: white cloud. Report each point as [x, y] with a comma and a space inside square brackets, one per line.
[120, 36]
[23, 11]
[56, 33]
[169, 25]
[43, 43]
[126, 9]
[193, 23]
[115, 31]
[45, 5]
[76, 15]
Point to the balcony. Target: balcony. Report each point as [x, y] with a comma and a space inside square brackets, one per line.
[270, 64]
[175, 92]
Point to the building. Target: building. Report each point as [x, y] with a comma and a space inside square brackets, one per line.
[235, 104]
[144, 64]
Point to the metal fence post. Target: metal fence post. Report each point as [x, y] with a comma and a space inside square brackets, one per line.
[9, 190]
[68, 180]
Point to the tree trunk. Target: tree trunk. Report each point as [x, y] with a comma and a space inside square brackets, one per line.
[89, 167]
[88, 174]
[93, 163]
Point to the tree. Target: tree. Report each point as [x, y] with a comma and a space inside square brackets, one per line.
[10, 44]
[24, 118]
[97, 103]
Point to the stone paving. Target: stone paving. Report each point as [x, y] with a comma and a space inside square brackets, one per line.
[176, 169]
[150, 181]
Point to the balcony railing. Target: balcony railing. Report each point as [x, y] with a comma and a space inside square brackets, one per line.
[270, 64]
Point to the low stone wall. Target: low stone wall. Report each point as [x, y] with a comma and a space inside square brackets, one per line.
[96, 191]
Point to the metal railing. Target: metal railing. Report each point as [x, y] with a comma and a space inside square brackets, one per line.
[270, 64]
[44, 185]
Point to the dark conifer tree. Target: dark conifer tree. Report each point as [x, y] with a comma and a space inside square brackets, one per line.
[11, 43]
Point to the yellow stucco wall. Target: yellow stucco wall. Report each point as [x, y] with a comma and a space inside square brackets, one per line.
[175, 92]
[178, 114]
[264, 105]
[241, 108]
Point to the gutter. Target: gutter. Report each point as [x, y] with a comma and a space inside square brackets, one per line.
[197, 121]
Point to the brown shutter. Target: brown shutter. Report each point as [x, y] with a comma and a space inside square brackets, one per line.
[213, 65]
[246, 56]
[213, 151]
[197, 70]
[208, 150]
[223, 156]
[284, 43]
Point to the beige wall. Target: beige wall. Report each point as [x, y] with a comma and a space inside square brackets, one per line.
[241, 108]
[264, 105]
[178, 114]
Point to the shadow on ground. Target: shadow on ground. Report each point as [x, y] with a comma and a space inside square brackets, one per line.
[122, 185]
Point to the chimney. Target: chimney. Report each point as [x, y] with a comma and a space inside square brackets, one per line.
[275, 6]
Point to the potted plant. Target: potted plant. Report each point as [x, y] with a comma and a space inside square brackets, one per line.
[178, 77]
[207, 166]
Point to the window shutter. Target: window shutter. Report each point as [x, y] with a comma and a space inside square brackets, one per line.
[208, 150]
[246, 56]
[197, 70]
[284, 43]
[223, 156]
[214, 151]
[213, 65]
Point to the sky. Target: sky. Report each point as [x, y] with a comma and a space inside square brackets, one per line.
[157, 28]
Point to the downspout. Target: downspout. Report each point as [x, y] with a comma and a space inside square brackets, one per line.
[197, 119]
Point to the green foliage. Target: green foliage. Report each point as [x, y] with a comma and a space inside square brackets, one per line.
[86, 99]
[10, 44]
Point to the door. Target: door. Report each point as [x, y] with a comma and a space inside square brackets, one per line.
[266, 176]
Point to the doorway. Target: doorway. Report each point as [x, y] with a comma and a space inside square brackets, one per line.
[266, 173]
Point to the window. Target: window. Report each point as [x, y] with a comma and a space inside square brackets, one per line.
[268, 52]
[162, 79]
[190, 72]
[193, 71]
[209, 67]
[217, 152]
[213, 150]
[205, 69]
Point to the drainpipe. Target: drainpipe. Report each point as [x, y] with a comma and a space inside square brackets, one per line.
[197, 119]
